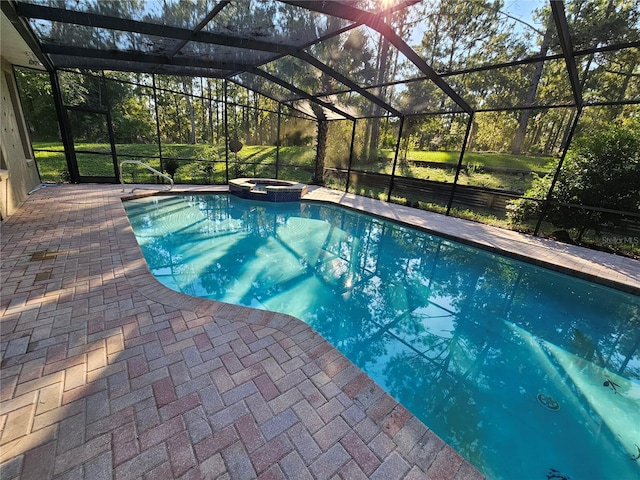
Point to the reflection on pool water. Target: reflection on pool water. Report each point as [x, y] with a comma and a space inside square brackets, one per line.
[526, 372]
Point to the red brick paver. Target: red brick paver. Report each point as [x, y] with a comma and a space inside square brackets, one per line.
[108, 374]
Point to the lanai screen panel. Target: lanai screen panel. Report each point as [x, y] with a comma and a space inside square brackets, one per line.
[82, 37]
[305, 106]
[351, 103]
[193, 71]
[594, 24]
[529, 85]
[365, 57]
[297, 152]
[265, 87]
[210, 54]
[83, 90]
[338, 144]
[176, 13]
[302, 75]
[421, 96]
[272, 21]
[610, 76]
[455, 36]
[600, 117]
[133, 109]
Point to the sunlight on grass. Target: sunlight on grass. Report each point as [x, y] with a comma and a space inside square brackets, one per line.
[501, 160]
[207, 164]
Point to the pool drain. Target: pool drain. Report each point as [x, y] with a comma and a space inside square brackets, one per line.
[548, 402]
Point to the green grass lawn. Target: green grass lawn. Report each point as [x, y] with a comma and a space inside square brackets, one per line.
[197, 163]
[207, 164]
[503, 160]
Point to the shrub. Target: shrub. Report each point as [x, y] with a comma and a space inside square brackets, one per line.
[523, 209]
[601, 170]
[170, 166]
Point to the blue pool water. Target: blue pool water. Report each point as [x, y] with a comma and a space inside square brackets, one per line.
[526, 372]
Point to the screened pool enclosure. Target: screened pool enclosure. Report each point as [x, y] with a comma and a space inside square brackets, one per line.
[467, 108]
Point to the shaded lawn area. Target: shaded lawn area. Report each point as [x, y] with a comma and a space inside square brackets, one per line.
[502, 160]
[207, 164]
[196, 163]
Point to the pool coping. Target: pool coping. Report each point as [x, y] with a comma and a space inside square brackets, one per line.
[616, 271]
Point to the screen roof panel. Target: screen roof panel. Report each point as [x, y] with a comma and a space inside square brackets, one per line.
[514, 86]
[353, 104]
[401, 56]
[421, 96]
[305, 106]
[454, 36]
[66, 61]
[273, 21]
[224, 54]
[362, 55]
[595, 24]
[264, 86]
[177, 13]
[62, 34]
[611, 76]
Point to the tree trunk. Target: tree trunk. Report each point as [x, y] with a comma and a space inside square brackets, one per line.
[376, 109]
[321, 147]
[203, 109]
[210, 113]
[628, 75]
[178, 123]
[552, 137]
[219, 128]
[257, 128]
[518, 139]
[192, 120]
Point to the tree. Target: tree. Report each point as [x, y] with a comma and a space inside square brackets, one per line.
[601, 170]
[130, 104]
[321, 144]
[187, 88]
[518, 139]
[37, 102]
[459, 36]
[604, 76]
[462, 34]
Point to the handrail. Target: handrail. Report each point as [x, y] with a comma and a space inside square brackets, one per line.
[148, 167]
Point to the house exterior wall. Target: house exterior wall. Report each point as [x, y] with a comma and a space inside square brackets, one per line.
[18, 171]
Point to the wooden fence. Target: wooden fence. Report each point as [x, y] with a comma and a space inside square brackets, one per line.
[429, 191]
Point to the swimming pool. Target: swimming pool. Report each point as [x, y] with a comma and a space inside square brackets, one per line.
[526, 372]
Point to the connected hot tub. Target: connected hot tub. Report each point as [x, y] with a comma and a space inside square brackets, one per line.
[268, 189]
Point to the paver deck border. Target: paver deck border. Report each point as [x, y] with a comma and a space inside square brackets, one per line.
[616, 271]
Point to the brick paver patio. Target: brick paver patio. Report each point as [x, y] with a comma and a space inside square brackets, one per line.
[108, 374]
